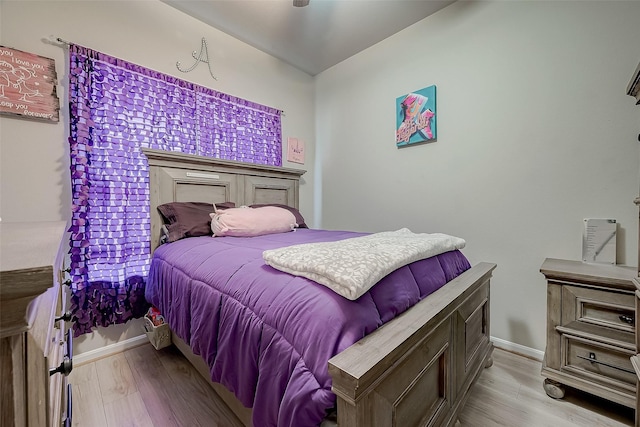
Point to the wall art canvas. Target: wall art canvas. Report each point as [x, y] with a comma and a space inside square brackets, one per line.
[28, 86]
[416, 117]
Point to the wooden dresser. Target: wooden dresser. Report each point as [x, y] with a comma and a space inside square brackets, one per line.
[635, 360]
[634, 90]
[591, 325]
[35, 352]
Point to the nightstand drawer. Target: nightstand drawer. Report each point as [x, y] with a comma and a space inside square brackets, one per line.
[614, 310]
[599, 363]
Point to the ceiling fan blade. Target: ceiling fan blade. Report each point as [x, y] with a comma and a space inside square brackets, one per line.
[300, 3]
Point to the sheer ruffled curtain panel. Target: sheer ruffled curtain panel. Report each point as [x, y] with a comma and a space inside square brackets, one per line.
[116, 109]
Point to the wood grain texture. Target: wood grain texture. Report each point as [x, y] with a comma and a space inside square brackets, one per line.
[600, 275]
[12, 385]
[636, 282]
[237, 410]
[591, 327]
[116, 379]
[185, 177]
[394, 358]
[29, 299]
[366, 362]
[57, 383]
[633, 89]
[509, 393]
[30, 88]
[154, 385]
[88, 406]
[193, 390]
[29, 253]
[127, 411]
[259, 190]
[635, 361]
[598, 307]
[164, 390]
[37, 382]
[26, 245]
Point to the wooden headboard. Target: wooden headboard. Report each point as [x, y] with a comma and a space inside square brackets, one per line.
[178, 177]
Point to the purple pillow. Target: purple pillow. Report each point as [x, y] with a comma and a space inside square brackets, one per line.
[189, 219]
[294, 211]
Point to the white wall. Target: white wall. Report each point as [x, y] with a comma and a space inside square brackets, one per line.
[535, 133]
[34, 156]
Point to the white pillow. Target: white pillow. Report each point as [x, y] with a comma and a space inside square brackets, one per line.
[248, 222]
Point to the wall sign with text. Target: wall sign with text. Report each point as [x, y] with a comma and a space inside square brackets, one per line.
[416, 117]
[28, 86]
[295, 150]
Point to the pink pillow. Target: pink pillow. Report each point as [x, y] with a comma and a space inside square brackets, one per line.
[248, 222]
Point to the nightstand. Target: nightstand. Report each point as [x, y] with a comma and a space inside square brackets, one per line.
[591, 326]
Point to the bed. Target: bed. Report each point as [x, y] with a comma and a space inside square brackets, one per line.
[415, 369]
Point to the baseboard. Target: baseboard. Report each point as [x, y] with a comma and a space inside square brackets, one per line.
[109, 350]
[517, 348]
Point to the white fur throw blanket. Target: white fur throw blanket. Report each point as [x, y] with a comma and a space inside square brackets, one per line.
[351, 267]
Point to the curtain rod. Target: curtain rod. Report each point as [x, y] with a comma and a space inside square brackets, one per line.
[55, 40]
[60, 41]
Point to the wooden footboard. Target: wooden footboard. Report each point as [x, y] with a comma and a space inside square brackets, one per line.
[417, 369]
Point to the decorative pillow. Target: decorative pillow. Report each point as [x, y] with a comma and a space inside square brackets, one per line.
[189, 219]
[294, 211]
[249, 222]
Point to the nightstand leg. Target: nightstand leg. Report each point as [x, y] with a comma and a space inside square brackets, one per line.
[489, 362]
[553, 388]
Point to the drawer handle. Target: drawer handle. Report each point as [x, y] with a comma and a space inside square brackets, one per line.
[67, 363]
[592, 358]
[627, 319]
[65, 317]
[65, 367]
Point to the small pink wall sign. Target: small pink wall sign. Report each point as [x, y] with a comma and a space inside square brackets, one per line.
[295, 151]
[28, 86]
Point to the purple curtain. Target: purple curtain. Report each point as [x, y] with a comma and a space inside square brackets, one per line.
[116, 109]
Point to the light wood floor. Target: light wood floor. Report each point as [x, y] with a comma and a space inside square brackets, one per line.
[145, 387]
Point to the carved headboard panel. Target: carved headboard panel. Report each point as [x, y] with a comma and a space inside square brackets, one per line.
[177, 177]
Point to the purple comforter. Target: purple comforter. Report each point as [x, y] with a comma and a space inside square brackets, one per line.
[267, 335]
